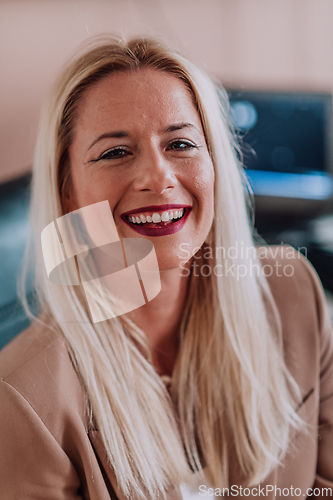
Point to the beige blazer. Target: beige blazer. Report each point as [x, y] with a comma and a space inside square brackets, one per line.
[48, 452]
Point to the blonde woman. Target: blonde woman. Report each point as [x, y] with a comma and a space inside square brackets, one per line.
[227, 374]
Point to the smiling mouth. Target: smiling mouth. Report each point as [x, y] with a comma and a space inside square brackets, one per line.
[156, 219]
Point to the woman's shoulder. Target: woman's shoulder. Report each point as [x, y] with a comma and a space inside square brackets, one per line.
[302, 306]
[37, 349]
[30, 344]
[36, 368]
[306, 324]
[45, 448]
[291, 276]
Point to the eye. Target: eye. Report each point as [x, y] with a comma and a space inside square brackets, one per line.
[114, 154]
[181, 145]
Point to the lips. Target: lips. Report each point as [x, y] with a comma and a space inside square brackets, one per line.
[157, 220]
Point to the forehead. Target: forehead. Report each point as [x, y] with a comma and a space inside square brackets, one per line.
[144, 97]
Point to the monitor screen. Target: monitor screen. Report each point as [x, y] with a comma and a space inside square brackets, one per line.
[286, 143]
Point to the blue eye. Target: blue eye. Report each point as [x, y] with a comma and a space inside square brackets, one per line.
[114, 154]
[181, 145]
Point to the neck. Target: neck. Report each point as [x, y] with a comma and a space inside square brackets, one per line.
[161, 317]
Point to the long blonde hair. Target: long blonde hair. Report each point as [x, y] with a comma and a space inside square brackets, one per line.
[232, 396]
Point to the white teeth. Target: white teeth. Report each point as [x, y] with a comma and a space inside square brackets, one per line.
[156, 218]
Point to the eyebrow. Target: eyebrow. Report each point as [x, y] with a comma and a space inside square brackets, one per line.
[116, 135]
[179, 126]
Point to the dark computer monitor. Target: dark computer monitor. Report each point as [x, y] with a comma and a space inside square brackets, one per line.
[287, 149]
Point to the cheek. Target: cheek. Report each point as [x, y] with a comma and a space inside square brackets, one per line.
[203, 187]
[94, 187]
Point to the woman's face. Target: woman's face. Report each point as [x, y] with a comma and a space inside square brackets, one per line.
[139, 143]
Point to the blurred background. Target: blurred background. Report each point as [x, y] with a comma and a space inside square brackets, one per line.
[275, 59]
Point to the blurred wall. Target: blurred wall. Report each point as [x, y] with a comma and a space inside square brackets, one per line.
[257, 44]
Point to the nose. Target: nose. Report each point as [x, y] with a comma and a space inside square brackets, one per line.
[155, 173]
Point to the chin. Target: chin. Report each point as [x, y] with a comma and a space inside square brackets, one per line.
[167, 262]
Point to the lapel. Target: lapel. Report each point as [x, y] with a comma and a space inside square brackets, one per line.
[107, 472]
[109, 475]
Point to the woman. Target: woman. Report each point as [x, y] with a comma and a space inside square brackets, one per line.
[225, 371]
